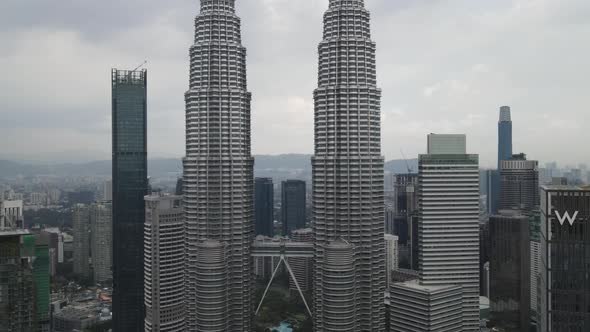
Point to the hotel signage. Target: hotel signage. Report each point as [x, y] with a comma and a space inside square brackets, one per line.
[566, 216]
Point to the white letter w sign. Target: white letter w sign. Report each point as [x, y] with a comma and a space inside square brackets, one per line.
[566, 215]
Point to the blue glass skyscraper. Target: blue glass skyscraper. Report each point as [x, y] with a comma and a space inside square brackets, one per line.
[263, 207]
[130, 185]
[504, 153]
[293, 211]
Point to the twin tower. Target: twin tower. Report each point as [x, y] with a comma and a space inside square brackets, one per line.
[348, 198]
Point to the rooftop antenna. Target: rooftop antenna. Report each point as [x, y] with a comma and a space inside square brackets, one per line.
[141, 65]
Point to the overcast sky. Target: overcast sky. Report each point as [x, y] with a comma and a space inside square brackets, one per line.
[445, 66]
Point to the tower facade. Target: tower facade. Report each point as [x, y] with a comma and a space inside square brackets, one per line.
[504, 135]
[519, 183]
[81, 225]
[348, 193]
[293, 205]
[264, 213]
[130, 185]
[218, 174]
[449, 221]
[101, 241]
[164, 264]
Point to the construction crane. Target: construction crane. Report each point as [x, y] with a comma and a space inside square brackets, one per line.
[410, 170]
[141, 65]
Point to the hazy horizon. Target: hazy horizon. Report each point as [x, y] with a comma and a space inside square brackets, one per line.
[443, 67]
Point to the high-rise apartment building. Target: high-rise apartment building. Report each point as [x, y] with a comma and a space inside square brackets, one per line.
[535, 245]
[130, 185]
[81, 225]
[564, 298]
[293, 205]
[510, 287]
[101, 241]
[449, 220]
[164, 264]
[218, 176]
[391, 256]
[348, 176]
[264, 211]
[519, 183]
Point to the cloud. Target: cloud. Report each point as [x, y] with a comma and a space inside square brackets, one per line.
[443, 66]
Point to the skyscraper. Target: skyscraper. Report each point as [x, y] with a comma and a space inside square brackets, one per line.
[293, 205]
[81, 225]
[519, 183]
[101, 241]
[510, 259]
[264, 213]
[348, 176]
[564, 297]
[218, 175]
[504, 153]
[164, 264]
[130, 185]
[504, 135]
[391, 256]
[449, 220]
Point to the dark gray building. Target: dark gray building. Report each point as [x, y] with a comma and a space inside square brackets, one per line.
[263, 207]
[348, 176]
[519, 183]
[293, 205]
[564, 284]
[510, 270]
[130, 185]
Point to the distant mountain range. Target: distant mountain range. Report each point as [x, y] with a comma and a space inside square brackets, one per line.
[300, 163]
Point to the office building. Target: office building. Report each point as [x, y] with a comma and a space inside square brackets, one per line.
[218, 175]
[504, 153]
[564, 299]
[449, 220]
[81, 226]
[264, 211]
[348, 175]
[302, 266]
[101, 241]
[164, 264]
[293, 205]
[519, 183]
[419, 308]
[130, 185]
[391, 256]
[510, 270]
[24, 281]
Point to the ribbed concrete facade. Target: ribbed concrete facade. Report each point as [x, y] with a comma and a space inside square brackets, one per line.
[449, 224]
[419, 308]
[164, 264]
[218, 170]
[81, 225]
[348, 193]
[519, 183]
[340, 288]
[302, 266]
[101, 241]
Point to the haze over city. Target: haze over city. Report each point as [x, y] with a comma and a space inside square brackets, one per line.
[443, 67]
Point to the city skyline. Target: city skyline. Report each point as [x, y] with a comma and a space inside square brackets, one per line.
[427, 86]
